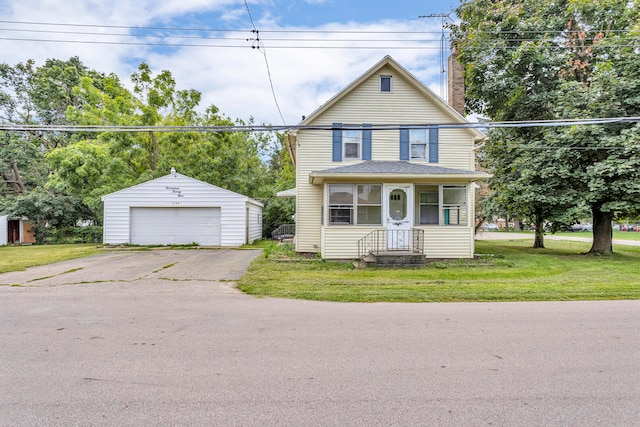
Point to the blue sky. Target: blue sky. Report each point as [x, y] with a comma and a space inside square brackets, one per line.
[314, 13]
[304, 73]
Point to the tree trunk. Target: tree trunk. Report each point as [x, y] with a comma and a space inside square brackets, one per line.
[538, 242]
[517, 224]
[18, 178]
[154, 153]
[602, 232]
[14, 180]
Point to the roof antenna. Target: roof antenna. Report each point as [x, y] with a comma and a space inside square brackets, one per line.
[443, 51]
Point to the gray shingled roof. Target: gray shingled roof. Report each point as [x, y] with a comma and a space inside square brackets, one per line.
[393, 168]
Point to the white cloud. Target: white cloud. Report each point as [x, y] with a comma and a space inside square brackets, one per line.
[234, 79]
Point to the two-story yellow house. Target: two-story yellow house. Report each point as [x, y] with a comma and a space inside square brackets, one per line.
[378, 169]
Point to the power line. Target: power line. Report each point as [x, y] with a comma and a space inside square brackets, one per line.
[12, 127]
[604, 31]
[266, 61]
[123, 43]
[370, 47]
[215, 29]
[87, 33]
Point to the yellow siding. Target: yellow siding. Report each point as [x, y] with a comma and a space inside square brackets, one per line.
[448, 242]
[341, 242]
[439, 241]
[405, 105]
[365, 104]
[308, 216]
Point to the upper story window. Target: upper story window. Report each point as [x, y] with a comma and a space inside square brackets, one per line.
[418, 144]
[352, 144]
[385, 84]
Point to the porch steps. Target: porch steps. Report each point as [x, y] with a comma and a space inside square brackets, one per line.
[394, 259]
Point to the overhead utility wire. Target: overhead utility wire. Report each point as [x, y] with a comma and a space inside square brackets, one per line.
[376, 47]
[264, 53]
[216, 29]
[87, 33]
[214, 45]
[605, 31]
[298, 39]
[276, 128]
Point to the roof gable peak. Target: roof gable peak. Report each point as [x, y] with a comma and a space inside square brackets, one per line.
[388, 61]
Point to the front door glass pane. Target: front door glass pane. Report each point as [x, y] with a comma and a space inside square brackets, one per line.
[398, 204]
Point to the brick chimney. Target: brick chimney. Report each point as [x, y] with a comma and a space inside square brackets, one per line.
[456, 83]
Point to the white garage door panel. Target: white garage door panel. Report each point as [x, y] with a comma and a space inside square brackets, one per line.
[175, 226]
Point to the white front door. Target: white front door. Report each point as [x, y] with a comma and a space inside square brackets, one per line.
[399, 215]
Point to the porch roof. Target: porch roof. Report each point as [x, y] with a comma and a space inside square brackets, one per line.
[400, 169]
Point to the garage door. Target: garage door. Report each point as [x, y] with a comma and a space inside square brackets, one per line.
[175, 226]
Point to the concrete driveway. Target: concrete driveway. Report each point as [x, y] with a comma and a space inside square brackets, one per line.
[189, 265]
[163, 338]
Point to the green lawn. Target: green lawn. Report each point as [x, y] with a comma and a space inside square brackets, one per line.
[510, 271]
[15, 258]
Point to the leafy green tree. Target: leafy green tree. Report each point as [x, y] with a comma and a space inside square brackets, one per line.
[34, 95]
[96, 164]
[517, 163]
[48, 209]
[278, 211]
[529, 60]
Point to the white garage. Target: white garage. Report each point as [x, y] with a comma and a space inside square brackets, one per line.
[176, 210]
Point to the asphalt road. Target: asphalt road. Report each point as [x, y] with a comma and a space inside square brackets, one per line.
[164, 338]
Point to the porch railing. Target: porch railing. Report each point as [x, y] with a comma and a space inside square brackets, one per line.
[285, 231]
[380, 241]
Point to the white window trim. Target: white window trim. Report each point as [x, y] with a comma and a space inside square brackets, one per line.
[344, 144]
[442, 206]
[390, 83]
[353, 206]
[425, 143]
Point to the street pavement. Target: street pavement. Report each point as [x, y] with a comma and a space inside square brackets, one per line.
[165, 338]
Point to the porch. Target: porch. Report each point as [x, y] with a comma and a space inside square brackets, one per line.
[392, 248]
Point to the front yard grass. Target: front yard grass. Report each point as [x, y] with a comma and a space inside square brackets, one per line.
[17, 258]
[507, 271]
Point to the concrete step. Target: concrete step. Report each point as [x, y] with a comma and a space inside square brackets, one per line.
[395, 259]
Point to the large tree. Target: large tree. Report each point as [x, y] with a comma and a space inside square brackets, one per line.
[529, 60]
[34, 95]
[95, 164]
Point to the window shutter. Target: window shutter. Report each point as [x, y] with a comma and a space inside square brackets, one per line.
[404, 144]
[366, 141]
[433, 145]
[337, 142]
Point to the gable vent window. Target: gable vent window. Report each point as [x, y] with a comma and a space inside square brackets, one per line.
[385, 84]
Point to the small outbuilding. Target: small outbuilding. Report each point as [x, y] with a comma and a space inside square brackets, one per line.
[177, 210]
[16, 231]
